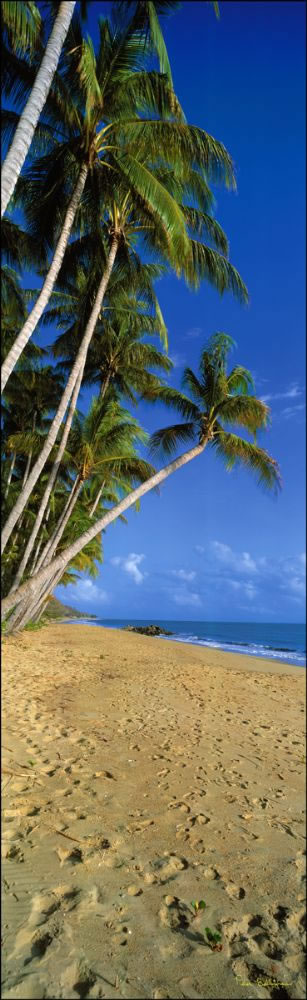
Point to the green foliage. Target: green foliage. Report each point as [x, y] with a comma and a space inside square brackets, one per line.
[198, 905]
[22, 22]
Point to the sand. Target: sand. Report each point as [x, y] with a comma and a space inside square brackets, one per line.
[140, 775]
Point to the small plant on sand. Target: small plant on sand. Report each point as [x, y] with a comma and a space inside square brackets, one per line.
[214, 939]
[198, 905]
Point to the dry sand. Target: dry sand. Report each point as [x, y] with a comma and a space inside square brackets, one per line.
[139, 775]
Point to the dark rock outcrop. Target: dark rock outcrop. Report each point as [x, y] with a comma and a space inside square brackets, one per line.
[147, 629]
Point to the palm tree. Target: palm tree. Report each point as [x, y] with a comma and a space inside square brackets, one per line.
[76, 305]
[117, 356]
[25, 130]
[219, 400]
[101, 444]
[142, 207]
[114, 89]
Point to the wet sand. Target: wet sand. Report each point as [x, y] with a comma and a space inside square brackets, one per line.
[139, 775]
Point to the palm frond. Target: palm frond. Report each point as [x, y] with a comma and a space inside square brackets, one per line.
[23, 23]
[207, 263]
[240, 380]
[245, 411]
[167, 439]
[233, 449]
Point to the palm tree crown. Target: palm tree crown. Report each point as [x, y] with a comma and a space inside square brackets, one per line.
[219, 400]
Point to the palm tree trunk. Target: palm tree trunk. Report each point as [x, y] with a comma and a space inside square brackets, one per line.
[77, 372]
[27, 469]
[52, 545]
[12, 466]
[30, 115]
[60, 562]
[37, 551]
[32, 611]
[48, 490]
[99, 495]
[104, 386]
[44, 296]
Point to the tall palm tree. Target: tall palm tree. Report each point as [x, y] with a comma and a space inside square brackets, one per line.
[113, 89]
[109, 88]
[101, 444]
[219, 400]
[76, 305]
[149, 206]
[25, 130]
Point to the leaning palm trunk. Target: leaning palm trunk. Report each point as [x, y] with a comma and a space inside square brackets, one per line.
[36, 555]
[28, 465]
[44, 296]
[76, 373]
[98, 497]
[30, 115]
[25, 611]
[28, 589]
[12, 466]
[52, 545]
[48, 490]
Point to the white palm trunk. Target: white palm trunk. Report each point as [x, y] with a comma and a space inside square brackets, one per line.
[77, 372]
[24, 612]
[12, 466]
[52, 545]
[27, 468]
[28, 589]
[36, 555]
[44, 296]
[48, 491]
[98, 497]
[28, 121]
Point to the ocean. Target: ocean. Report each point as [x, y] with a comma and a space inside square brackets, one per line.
[286, 643]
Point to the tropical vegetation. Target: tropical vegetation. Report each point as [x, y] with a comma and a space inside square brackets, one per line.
[106, 188]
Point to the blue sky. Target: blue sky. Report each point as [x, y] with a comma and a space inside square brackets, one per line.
[212, 546]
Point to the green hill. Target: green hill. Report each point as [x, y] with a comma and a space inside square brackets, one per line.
[55, 609]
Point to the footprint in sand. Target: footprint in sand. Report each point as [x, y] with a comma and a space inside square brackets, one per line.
[258, 941]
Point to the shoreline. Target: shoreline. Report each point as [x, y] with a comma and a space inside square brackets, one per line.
[201, 644]
[138, 777]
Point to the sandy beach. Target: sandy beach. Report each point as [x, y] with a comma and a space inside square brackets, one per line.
[140, 775]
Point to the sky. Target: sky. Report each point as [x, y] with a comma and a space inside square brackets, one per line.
[212, 545]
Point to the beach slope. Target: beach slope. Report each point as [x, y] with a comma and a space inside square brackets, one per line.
[140, 775]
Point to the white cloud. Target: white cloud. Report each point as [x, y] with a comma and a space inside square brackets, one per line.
[195, 331]
[291, 393]
[291, 411]
[246, 589]
[87, 591]
[242, 562]
[130, 564]
[183, 574]
[297, 586]
[178, 360]
[184, 597]
[199, 548]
